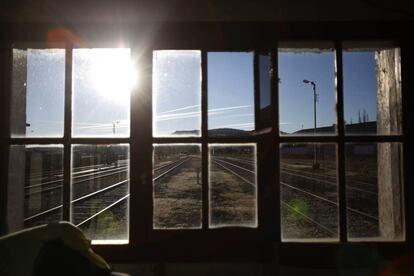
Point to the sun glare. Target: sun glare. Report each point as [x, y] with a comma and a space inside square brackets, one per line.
[114, 74]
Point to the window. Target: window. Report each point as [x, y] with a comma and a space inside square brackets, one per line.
[52, 176]
[181, 171]
[307, 138]
[356, 173]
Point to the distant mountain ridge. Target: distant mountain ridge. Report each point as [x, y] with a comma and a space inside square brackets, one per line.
[217, 132]
[357, 128]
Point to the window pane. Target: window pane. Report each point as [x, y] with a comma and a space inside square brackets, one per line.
[372, 91]
[100, 191]
[232, 185]
[177, 186]
[35, 186]
[374, 191]
[265, 114]
[37, 99]
[230, 94]
[309, 192]
[177, 93]
[102, 81]
[307, 92]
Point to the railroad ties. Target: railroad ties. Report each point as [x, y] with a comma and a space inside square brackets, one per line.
[99, 188]
[312, 196]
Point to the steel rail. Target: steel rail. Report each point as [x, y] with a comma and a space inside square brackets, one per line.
[80, 176]
[170, 170]
[234, 165]
[329, 182]
[76, 200]
[329, 176]
[329, 201]
[100, 191]
[236, 174]
[95, 193]
[103, 210]
[77, 182]
[308, 218]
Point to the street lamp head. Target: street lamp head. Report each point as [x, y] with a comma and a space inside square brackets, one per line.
[306, 81]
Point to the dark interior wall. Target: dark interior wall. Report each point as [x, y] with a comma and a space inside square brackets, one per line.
[104, 11]
[203, 10]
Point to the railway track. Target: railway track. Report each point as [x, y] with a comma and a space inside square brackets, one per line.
[326, 196]
[77, 178]
[319, 195]
[100, 201]
[177, 195]
[48, 195]
[233, 192]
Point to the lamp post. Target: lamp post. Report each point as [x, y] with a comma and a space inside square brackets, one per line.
[315, 157]
[113, 126]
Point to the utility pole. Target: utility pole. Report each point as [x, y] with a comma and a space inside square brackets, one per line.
[315, 150]
[113, 126]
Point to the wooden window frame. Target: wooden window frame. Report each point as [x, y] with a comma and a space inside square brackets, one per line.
[226, 244]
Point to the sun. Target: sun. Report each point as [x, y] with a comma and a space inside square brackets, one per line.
[113, 74]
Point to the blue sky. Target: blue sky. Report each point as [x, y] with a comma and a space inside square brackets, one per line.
[230, 90]
[101, 98]
[296, 97]
[359, 85]
[176, 91]
[101, 95]
[45, 92]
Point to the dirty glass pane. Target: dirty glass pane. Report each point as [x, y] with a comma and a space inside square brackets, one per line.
[37, 98]
[232, 185]
[374, 191]
[176, 93]
[307, 95]
[102, 82]
[177, 186]
[308, 192]
[372, 91]
[265, 114]
[35, 185]
[100, 191]
[230, 94]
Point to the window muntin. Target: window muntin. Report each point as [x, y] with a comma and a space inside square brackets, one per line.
[37, 98]
[264, 120]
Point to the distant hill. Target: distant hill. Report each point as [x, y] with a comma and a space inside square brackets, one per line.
[218, 132]
[186, 133]
[357, 128]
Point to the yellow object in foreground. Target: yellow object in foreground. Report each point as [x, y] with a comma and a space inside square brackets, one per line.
[18, 251]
